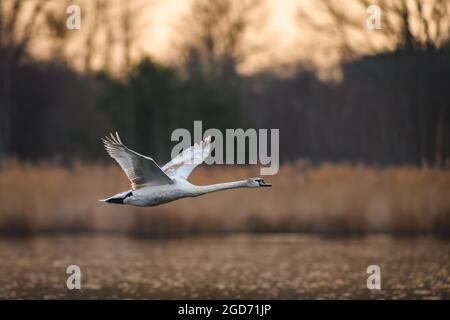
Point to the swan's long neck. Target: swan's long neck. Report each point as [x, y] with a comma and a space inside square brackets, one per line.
[199, 190]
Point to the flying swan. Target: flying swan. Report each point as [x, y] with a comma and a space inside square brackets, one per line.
[152, 185]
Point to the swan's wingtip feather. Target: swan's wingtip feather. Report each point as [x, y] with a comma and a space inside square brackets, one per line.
[118, 138]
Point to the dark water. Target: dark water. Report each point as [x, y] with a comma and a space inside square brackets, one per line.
[234, 267]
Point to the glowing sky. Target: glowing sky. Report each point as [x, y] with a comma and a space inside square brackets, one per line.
[159, 26]
[280, 29]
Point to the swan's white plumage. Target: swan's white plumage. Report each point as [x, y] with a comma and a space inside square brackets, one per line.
[184, 163]
[140, 170]
[152, 185]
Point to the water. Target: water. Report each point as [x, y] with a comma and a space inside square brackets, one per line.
[230, 267]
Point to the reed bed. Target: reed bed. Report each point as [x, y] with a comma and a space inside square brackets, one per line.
[329, 198]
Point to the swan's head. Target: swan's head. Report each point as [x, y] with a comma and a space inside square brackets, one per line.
[257, 182]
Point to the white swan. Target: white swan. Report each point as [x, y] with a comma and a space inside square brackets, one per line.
[152, 185]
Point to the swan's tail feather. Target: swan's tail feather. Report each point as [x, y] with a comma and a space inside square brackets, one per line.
[118, 198]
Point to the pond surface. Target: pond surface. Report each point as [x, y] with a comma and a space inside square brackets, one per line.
[230, 267]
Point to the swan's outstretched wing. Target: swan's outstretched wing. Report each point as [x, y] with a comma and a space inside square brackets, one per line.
[140, 170]
[183, 164]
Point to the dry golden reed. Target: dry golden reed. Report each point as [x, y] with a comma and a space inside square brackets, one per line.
[325, 198]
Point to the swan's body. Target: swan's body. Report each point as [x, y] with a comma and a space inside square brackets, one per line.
[152, 185]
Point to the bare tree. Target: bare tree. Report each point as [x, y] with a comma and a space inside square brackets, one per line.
[92, 34]
[16, 31]
[130, 25]
[127, 29]
[59, 34]
[109, 39]
[216, 39]
[399, 21]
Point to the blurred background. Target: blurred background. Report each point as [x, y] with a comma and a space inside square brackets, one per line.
[363, 116]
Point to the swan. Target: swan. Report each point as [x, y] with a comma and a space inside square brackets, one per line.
[152, 185]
